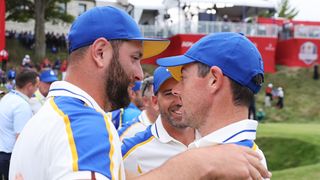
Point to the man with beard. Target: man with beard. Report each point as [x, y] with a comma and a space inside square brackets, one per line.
[71, 137]
[167, 137]
[219, 76]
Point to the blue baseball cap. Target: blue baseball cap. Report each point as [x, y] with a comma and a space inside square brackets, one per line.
[137, 85]
[160, 75]
[48, 76]
[233, 53]
[112, 24]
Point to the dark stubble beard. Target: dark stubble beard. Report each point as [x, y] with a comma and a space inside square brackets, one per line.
[117, 84]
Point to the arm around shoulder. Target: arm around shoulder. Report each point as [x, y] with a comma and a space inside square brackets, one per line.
[215, 162]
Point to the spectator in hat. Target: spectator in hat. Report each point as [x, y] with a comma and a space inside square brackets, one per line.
[11, 82]
[280, 95]
[218, 77]
[47, 77]
[80, 139]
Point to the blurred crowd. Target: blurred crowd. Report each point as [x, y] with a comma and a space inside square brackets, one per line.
[55, 42]
[8, 74]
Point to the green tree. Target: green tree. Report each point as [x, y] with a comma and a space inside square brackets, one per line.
[41, 11]
[286, 11]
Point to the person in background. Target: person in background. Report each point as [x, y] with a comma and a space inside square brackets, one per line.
[167, 137]
[26, 61]
[45, 64]
[56, 66]
[47, 77]
[316, 71]
[2, 78]
[147, 117]
[136, 104]
[15, 112]
[122, 116]
[280, 95]
[4, 58]
[260, 114]
[11, 82]
[268, 95]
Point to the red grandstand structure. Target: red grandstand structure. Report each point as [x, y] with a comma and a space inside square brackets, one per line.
[280, 41]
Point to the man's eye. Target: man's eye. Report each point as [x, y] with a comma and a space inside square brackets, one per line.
[136, 58]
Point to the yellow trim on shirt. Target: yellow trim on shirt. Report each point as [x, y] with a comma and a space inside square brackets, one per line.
[254, 147]
[139, 169]
[106, 117]
[69, 133]
[136, 146]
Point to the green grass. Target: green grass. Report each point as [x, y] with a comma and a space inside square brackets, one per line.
[311, 172]
[291, 148]
[301, 96]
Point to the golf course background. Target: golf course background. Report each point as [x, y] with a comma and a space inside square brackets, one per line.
[289, 137]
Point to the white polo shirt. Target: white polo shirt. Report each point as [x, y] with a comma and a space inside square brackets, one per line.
[149, 149]
[241, 133]
[69, 138]
[15, 112]
[131, 128]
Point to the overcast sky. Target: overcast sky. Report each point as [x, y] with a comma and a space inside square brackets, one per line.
[309, 10]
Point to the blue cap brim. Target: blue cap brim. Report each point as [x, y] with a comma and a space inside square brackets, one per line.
[49, 79]
[174, 64]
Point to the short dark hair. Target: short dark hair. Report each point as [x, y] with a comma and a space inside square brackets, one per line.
[241, 95]
[26, 76]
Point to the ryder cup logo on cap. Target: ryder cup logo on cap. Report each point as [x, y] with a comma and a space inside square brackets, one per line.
[48, 76]
[233, 53]
[160, 75]
[112, 24]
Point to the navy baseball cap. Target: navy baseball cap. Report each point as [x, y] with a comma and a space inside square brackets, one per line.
[112, 24]
[160, 75]
[233, 53]
[48, 76]
[137, 85]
